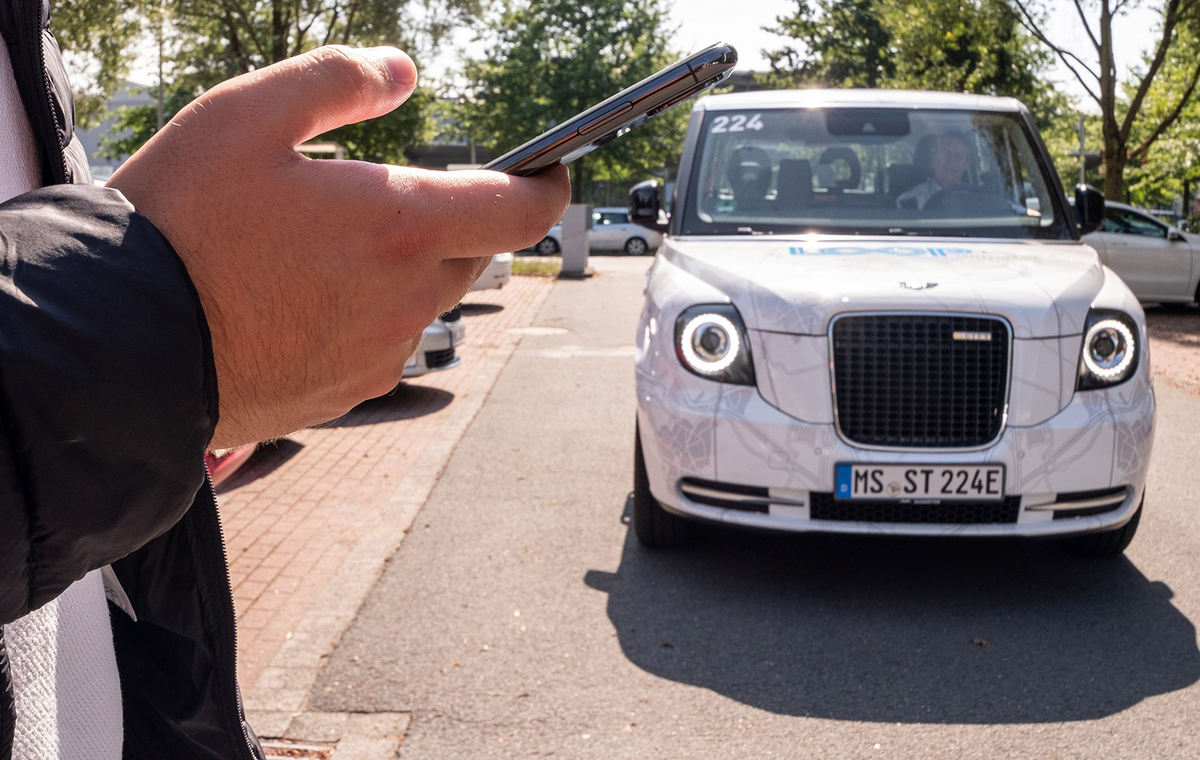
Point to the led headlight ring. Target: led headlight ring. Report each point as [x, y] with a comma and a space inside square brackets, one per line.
[1122, 352]
[694, 359]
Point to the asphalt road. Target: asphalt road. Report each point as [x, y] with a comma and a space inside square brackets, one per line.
[520, 617]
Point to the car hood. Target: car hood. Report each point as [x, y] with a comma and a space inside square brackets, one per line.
[797, 285]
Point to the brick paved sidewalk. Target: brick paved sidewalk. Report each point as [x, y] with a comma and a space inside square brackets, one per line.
[330, 504]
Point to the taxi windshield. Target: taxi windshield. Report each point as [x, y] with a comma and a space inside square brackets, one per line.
[887, 171]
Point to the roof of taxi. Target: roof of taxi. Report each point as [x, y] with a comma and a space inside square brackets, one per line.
[857, 99]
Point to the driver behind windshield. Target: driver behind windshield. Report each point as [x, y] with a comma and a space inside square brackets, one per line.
[949, 161]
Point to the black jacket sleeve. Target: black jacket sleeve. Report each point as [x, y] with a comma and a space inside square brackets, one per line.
[107, 389]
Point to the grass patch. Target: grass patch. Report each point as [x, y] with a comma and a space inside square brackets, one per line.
[523, 268]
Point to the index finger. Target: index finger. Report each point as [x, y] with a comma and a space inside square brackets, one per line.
[479, 213]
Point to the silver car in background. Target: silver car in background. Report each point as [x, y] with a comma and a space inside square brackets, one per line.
[438, 343]
[611, 231]
[1158, 262]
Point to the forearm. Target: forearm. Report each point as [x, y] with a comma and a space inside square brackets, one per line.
[107, 389]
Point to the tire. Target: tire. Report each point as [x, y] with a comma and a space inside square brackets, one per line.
[654, 526]
[548, 246]
[636, 246]
[1106, 543]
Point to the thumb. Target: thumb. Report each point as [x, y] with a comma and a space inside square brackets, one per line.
[324, 89]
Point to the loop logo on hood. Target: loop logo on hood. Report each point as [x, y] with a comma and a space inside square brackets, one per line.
[891, 250]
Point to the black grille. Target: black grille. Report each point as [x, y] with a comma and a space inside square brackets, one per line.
[435, 359]
[903, 380]
[825, 507]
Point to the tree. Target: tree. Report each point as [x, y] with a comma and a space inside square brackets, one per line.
[843, 43]
[97, 38]
[976, 46]
[550, 59]
[1168, 168]
[213, 40]
[1129, 128]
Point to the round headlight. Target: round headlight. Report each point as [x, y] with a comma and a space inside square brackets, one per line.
[710, 343]
[1108, 349]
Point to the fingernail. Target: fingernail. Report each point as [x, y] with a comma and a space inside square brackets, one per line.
[395, 62]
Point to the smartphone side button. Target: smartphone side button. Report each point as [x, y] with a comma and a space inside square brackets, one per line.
[606, 119]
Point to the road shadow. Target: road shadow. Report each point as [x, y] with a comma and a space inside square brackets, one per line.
[407, 401]
[267, 458]
[481, 309]
[882, 629]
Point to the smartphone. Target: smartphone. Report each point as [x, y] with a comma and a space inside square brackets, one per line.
[620, 113]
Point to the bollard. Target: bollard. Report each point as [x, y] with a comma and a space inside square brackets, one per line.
[575, 226]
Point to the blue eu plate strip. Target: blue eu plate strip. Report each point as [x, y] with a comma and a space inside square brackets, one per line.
[843, 481]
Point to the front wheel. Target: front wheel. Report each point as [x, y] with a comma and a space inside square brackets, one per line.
[1106, 543]
[548, 246]
[654, 526]
[635, 246]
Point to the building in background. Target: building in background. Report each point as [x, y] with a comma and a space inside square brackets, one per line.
[131, 94]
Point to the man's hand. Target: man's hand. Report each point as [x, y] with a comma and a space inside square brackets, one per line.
[318, 277]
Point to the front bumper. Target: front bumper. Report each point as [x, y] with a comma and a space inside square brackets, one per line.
[438, 344]
[695, 431]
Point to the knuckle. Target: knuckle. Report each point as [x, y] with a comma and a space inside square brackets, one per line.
[349, 68]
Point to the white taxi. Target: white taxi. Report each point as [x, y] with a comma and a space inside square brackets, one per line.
[872, 313]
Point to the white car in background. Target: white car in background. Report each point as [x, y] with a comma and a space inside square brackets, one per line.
[611, 231]
[439, 342]
[872, 313]
[1158, 262]
[497, 274]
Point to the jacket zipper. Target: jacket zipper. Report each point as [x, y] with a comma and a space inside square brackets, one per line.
[237, 692]
[36, 39]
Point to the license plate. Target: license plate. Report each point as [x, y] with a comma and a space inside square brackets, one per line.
[983, 482]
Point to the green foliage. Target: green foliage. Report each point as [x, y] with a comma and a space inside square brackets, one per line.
[1155, 175]
[841, 43]
[205, 42]
[550, 59]
[975, 46]
[1061, 138]
[135, 125]
[385, 139]
[97, 38]
[216, 39]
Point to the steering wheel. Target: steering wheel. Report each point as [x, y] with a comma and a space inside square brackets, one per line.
[968, 199]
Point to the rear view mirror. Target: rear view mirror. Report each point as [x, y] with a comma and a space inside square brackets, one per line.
[645, 209]
[1174, 235]
[1089, 208]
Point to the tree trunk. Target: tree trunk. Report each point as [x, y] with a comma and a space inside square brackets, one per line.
[1114, 172]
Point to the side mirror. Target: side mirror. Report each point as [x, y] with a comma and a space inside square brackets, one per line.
[645, 208]
[1089, 208]
[1174, 235]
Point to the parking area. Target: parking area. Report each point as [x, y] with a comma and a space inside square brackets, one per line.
[520, 617]
[335, 499]
[1175, 345]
